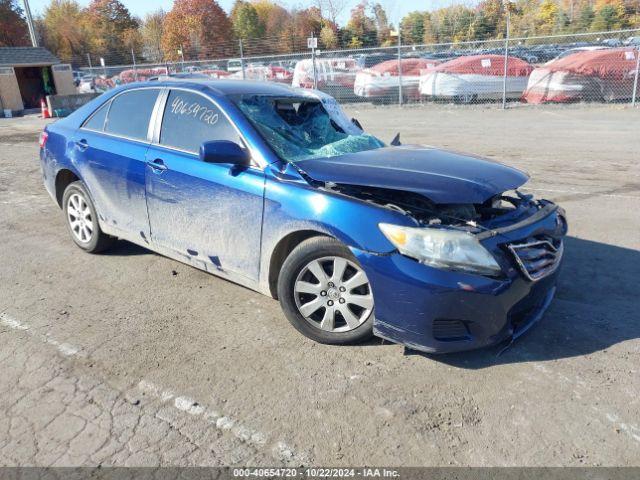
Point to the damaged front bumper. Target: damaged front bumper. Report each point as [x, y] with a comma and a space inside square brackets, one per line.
[441, 311]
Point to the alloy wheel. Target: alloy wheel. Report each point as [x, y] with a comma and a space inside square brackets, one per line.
[333, 294]
[80, 218]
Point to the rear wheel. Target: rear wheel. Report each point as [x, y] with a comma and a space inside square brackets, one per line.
[82, 220]
[325, 293]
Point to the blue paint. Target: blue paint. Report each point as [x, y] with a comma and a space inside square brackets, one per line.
[229, 219]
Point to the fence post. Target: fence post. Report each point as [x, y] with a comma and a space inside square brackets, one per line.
[506, 56]
[135, 70]
[635, 78]
[242, 59]
[399, 66]
[313, 63]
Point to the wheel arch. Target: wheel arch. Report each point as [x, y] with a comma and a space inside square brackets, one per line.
[64, 177]
[282, 250]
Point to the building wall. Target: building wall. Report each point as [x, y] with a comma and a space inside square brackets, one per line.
[63, 79]
[9, 90]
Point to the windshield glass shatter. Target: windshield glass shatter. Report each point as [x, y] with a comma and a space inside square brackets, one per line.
[301, 128]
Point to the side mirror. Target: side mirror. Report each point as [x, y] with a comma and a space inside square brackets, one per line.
[223, 151]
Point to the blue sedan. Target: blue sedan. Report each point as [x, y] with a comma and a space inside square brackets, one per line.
[278, 190]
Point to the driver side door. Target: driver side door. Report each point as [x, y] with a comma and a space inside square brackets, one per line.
[207, 214]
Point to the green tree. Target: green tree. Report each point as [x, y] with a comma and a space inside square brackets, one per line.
[608, 17]
[412, 28]
[245, 20]
[585, 18]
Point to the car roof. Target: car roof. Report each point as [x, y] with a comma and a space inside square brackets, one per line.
[224, 87]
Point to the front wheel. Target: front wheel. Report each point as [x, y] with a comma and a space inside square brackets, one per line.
[82, 220]
[325, 293]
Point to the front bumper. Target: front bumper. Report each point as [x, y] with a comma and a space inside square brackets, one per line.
[440, 311]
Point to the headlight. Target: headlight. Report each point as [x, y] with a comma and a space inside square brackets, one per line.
[448, 249]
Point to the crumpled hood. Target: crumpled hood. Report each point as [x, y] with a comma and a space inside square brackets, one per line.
[440, 175]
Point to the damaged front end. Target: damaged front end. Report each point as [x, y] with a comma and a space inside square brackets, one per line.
[474, 217]
[444, 307]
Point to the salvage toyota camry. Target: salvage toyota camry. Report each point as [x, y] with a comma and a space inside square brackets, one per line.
[276, 189]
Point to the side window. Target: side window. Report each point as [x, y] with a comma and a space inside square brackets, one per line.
[190, 119]
[130, 113]
[96, 121]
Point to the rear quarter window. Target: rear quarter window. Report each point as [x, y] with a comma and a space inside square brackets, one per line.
[130, 113]
[97, 118]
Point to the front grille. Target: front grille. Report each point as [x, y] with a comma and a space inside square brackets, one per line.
[450, 330]
[537, 259]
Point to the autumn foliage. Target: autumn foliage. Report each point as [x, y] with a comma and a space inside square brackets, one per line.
[199, 26]
[13, 28]
[201, 29]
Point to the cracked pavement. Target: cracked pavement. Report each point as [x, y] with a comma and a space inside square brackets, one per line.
[132, 359]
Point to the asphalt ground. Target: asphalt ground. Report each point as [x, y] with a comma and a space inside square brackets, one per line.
[129, 358]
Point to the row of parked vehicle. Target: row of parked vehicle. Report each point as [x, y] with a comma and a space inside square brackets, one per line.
[576, 72]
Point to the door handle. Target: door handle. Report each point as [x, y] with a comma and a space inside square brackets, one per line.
[82, 145]
[157, 165]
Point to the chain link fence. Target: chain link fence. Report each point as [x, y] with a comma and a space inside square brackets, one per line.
[584, 67]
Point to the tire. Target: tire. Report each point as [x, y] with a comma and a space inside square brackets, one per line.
[85, 230]
[347, 295]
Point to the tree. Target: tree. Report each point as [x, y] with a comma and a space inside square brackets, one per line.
[328, 37]
[275, 18]
[412, 28]
[109, 27]
[331, 9]
[609, 16]
[361, 28]
[547, 15]
[383, 29]
[585, 19]
[429, 35]
[200, 28]
[62, 30]
[13, 27]
[246, 21]
[302, 23]
[151, 31]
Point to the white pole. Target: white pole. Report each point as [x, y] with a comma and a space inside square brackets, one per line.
[32, 31]
[635, 78]
[242, 59]
[135, 70]
[399, 66]
[506, 57]
[313, 62]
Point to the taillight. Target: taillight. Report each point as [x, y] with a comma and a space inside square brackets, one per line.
[42, 141]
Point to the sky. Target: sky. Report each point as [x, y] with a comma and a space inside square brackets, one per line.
[396, 9]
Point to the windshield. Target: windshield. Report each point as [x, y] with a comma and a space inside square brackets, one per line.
[301, 128]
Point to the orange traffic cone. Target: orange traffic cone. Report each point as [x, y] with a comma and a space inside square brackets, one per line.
[44, 109]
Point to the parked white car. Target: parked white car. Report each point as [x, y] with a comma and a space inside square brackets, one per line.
[475, 77]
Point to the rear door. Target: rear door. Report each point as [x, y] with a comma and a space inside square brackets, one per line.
[111, 147]
[209, 214]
